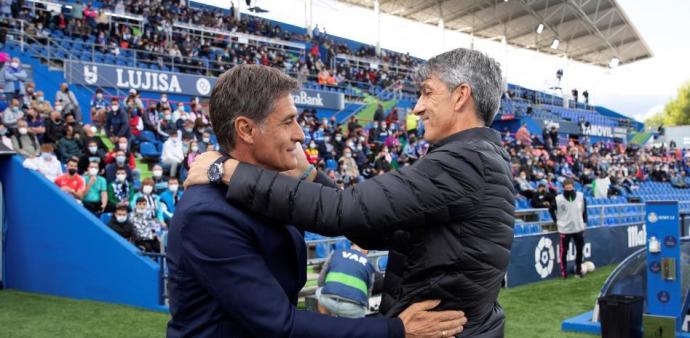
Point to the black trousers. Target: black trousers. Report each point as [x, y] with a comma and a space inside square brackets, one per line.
[579, 239]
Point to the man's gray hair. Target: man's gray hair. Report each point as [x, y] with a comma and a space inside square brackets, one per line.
[479, 71]
[245, 90]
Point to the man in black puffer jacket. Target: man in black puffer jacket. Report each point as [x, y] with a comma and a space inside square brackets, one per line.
[447, 220]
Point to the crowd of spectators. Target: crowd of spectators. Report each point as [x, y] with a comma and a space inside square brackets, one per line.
[158, 42]
[603, 168]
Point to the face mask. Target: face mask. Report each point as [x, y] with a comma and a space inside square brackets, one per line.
[99, 96]
[14, 65]
[348, 155]
[189, 130]
[147, 189]
[167, 117]
[93, 171]
[115, 108]
[180, 109]
[164, 99]
[123, 146]
[58, 108]
[93, 149]
[3, 131]
[121, 178]
[23, 131]
[359, 148]
[141, 211]
[121, 219]
[157, 173]
[72, 171]
[120, 160]
[312, 145]
[173, 187]
[39, 98]
[338, 138]
[206, 140]
[15, 109]
[569, 195]
[47, 156]
[375, 125]
[195, 149]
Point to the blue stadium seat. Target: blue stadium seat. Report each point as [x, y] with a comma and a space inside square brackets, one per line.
[105, 217]
[149, 150]
[148, 135]
[331, 164]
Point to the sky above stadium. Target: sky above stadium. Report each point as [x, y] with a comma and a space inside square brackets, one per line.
[636, 90]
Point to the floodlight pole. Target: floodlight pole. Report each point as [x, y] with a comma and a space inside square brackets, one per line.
[377, 12]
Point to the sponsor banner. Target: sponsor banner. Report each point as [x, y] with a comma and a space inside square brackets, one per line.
[620, 132]
[125, 78]
[536, 257]
[597, 130]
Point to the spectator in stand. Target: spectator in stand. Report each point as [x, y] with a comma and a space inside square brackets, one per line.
[677, 179]
[29, 95]
[382, 164]
[99, 109]
[47, 164]
[120, 190]
[25, 141]
[35, 123]
[173, 154]
[312, 153]
[165, 125]
[71, 182]
[169, 198]
[68, 101]
[92, 154]
[120, 163]
[69, 146]
[159, 182]
[151, 118]
[523, 136]
[96, 196]
[542, 198]
[601, 185]
[153, 204]
[145, 227]
[15, 76]
[41, 105]
[349, 165]
[11, 115]
[117, 122]
[207, 143]
[523, 185]
[121, 224]
[55, 128]
[379, 116]
[5, 136]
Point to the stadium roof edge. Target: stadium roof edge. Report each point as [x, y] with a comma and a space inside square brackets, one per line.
[589, 31]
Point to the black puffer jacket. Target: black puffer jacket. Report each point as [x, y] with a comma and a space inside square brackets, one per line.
[447, 221]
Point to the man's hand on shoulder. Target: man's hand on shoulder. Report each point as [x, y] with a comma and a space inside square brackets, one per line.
[420, 321]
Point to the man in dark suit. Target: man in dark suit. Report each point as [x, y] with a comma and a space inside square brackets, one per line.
[237, 274]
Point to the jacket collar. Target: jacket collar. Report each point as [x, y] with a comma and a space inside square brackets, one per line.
[480, 133]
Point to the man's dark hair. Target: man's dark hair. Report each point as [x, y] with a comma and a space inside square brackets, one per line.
[73, 159]
[569, 181]
[122, 207]
[140, 200]
[249, 91]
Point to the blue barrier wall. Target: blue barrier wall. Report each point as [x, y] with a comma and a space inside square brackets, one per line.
[54, 246]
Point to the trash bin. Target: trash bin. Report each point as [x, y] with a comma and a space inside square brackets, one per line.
[621, 316]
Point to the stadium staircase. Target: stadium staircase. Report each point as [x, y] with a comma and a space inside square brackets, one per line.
[55, 246]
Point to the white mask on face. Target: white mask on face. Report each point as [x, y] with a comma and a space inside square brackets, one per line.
[147, 189]
[173, 187]
[157, 173]
[195, 149]
[93, 149]
[23, 131]
[121, 178]
[93, 171]
[121, 219]
[123, 146]
[141, 211]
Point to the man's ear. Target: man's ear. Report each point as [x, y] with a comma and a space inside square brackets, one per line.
[245, 129]
[461, 96]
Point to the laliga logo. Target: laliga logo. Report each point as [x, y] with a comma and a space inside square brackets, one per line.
[203, 86]
[544, 257]
[91, 76]
[652, 218]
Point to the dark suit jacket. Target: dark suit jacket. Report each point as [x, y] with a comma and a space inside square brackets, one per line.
[235, 274]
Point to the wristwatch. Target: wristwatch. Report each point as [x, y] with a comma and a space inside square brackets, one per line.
[215, 171]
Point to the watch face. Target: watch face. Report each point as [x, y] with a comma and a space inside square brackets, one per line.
[214, 173]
